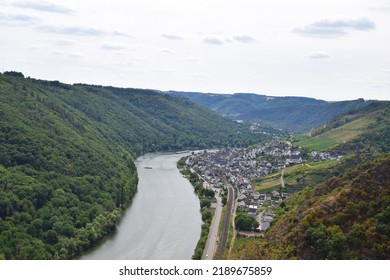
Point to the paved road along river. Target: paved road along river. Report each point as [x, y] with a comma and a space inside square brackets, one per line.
[163, 222]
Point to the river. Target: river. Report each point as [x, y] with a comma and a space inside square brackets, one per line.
[163, 221]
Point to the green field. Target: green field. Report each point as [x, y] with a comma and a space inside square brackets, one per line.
[317, 143]
[302, 174]
[306, 174]
[267, 183]
[334, 137]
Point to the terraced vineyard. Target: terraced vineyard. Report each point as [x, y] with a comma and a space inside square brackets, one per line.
[295, 176]
[334, 137]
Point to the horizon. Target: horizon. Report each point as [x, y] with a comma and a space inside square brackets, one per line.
[329, 50]
[210, 93]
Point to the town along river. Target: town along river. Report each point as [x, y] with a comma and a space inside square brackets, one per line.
[163, 221]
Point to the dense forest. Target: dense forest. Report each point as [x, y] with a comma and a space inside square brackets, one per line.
[67, 157]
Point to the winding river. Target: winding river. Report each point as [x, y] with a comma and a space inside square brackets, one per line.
[163, 221]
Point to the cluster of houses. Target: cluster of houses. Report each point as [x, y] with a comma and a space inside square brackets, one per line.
[239, 167]
[321, 156]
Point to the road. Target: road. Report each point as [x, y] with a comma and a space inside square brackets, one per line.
[282, 178]
[211, 243]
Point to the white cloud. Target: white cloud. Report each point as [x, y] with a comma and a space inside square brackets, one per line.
[63, 43]
[171, 37]
[317, 55]
[286, 64]
[112, 46]
[121, 34]
[213, 41]
[72, 30]
[60, 53]
[334, 28]
[162, 70]
[43, 7]
[191, 59]
[17, 19]
[381, 7]
[198, 75]
[168, 51]
[381, 84]
[75, 55]
[244, 39]
[35, 47]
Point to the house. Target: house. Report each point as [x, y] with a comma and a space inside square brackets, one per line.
[266, 222]
[275, 194]
[294, 159]
[241, 205]
[252, 210]
[284, 196]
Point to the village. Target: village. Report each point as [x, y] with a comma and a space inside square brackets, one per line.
[239, 167]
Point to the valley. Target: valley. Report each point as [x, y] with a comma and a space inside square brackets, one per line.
[68, 172]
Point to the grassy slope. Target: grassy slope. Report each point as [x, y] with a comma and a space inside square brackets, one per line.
[307, 174]
[373, 119]
[336, 136]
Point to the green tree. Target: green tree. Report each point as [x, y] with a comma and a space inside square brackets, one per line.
[245, 222]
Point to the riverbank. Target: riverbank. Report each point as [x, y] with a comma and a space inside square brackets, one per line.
[205, 247]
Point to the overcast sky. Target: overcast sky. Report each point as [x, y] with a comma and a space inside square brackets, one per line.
[326, 49]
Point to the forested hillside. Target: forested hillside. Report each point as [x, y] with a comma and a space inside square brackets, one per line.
[66, 158]
[294, 114]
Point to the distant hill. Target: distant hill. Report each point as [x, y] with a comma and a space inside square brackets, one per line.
[294, 114]
[67, 157]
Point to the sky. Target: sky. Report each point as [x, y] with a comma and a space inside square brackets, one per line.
[331, 50]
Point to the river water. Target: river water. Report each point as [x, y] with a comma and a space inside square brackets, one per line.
[163, 221]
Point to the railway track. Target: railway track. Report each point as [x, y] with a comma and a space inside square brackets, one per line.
[225, 225]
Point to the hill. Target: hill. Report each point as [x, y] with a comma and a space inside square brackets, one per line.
[367, 128]
[347, 217]
[67, 157]
[294, 114]
[343, 212]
